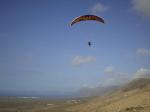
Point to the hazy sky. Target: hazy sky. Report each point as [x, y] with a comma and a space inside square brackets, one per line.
[39, 51]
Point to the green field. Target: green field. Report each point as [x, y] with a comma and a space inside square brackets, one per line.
[12, 104]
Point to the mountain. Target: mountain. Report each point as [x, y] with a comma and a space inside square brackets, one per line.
[133, 97]
[138, 83]
[95, 91]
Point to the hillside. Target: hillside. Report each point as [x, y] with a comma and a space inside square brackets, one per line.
[138, 83]
[95, 91]
[134, 97]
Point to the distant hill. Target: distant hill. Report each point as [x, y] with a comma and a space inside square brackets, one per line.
[133, 97]
[95, 91]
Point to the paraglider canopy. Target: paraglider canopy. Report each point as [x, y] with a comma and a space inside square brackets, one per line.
[87, 17]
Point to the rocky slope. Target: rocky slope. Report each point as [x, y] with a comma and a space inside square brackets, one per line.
[134, 97]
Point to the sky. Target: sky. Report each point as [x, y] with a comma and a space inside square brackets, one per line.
[40, 51]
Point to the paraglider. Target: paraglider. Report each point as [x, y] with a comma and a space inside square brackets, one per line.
[89, 43]
[85, 18]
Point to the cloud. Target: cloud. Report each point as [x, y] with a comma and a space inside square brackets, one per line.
[109, 81]
[87, 86]
[115, 77]
[142, 7]
[143, 51]
[80, 60]
[99, 7]
[109, 70]
[118, 78]
[142, 73]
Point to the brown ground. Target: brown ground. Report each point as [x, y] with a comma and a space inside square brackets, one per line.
[134, 100]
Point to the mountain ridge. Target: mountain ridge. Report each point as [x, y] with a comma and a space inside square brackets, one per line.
[131, 98]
